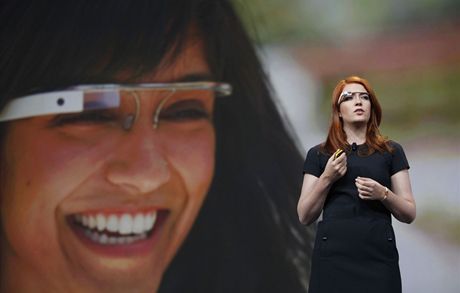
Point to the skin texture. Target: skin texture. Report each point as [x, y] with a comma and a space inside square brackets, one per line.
[400, 200]
[53, 174]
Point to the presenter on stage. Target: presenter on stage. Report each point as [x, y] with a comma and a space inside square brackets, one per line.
[357, 179]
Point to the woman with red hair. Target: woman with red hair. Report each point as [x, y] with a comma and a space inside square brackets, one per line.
[357, 179]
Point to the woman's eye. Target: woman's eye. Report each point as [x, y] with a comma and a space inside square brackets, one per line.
[188, 110]
[84, 118]
[365, 97]
[347, 98]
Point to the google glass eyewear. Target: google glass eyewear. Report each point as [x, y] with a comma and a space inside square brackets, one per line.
[345, 96]
[84, 98]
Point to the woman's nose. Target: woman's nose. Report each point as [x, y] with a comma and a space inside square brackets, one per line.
[358, 100]
[138, 163]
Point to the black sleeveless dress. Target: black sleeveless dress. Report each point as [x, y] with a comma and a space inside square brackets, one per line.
[355, 248]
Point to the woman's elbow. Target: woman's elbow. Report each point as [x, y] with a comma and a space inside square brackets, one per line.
[411, 217]
[408, 218]
[301, 213]
[304, 217]
[305, 220]
[412, 214]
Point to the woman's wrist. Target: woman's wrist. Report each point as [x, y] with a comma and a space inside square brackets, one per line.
[326, 179]
[385, 194]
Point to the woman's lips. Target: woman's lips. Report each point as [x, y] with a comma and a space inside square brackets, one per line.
[118, 234]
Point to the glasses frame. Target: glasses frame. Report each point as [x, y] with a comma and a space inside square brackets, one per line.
[71, 100]
[340, 100]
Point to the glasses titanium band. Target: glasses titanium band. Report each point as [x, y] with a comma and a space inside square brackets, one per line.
[72, 99]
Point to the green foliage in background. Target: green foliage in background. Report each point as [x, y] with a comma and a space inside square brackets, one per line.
[272, 20]
[278, 21]
[415, 103]
[423, 102]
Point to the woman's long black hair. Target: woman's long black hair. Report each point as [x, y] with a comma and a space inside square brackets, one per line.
[247, 237]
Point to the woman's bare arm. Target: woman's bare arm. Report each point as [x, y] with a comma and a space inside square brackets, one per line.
[315, 190]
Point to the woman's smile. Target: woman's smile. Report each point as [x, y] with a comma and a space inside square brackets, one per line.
[118, 233]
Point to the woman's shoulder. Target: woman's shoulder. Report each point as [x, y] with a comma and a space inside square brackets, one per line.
[314, 162]
[317, 148]
[397, 160]
[395, 146]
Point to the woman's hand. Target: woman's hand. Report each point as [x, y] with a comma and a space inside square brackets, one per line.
[335, 167]
[369, 189]
[399, 201]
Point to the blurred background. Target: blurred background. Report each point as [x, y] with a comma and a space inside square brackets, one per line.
[410, 52]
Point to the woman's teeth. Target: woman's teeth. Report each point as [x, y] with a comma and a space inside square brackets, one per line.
[103, 228]
[103, 238]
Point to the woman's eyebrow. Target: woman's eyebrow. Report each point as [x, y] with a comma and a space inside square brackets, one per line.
[195, 77]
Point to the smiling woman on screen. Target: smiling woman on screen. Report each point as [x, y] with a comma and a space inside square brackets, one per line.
[138, 153]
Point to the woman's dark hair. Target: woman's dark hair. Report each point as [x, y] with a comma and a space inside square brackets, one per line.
[247, 237]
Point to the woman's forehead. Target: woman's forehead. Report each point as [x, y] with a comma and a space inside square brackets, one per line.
[354, 87]
[190, 60]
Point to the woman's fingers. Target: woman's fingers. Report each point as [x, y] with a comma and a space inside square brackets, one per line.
[341, 158]
[363, 188]
[336, 166]
[367, 188]
[364, 196]
[342, 166]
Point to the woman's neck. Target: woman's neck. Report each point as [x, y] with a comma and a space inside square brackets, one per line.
[355, 133]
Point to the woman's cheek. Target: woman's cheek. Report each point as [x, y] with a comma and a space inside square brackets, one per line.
[193, 157]
[29, 224]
